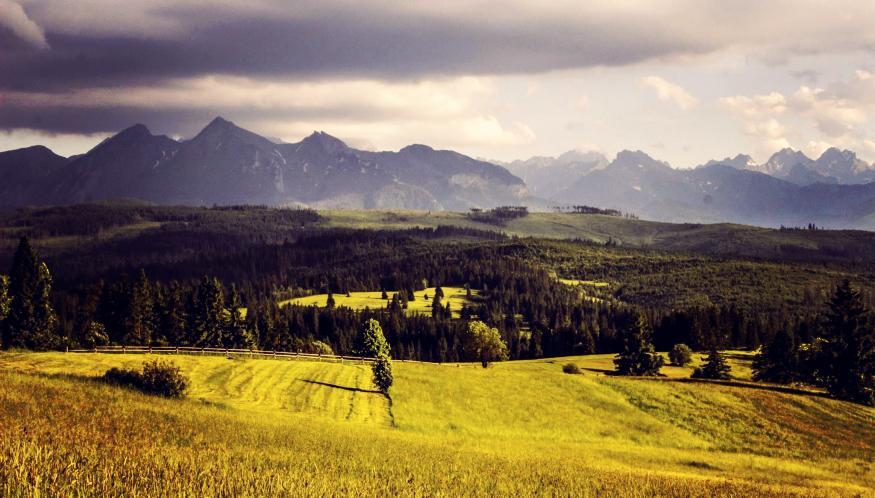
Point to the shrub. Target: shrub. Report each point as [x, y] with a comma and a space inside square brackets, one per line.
[571, 368]
[680, 355]
[161, 378]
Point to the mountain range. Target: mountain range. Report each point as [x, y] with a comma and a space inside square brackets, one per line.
[226, 164]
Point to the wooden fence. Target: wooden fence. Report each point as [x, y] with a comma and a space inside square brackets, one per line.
[246, 353]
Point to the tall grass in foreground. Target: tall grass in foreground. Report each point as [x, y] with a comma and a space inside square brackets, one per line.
[521, 428]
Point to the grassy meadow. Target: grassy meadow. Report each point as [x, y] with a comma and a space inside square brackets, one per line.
[275, 427]
[455, 296]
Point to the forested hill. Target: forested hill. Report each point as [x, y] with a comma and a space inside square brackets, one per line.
[157, 274]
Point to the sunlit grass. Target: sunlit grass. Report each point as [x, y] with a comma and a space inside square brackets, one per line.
[455, 296]
[275, 427]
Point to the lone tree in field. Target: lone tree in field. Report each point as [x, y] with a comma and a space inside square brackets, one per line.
[638, 356]
[715, 367]
[484, 343]
[372, 343]
[31, 320]
[846, 362]
[329, 303]
[778, 361]
[680, 355]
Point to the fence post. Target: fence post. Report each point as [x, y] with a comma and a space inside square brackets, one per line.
[177, 349]
[124, 349]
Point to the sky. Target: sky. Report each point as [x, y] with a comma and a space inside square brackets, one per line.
[683, 80]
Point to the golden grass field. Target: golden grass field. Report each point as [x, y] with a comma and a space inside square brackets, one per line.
[524, 428]
[456, 296]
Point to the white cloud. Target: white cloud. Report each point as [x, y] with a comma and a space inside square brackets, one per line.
[670, 92]
[834, 116]
[757, 115]
[13, 18]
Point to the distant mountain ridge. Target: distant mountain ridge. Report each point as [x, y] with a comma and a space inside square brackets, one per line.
[833, 166]
[226, 164]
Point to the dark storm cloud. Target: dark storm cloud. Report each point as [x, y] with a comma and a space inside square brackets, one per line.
[53, 48]
[339, 46]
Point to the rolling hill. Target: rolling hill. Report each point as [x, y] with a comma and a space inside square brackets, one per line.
[273, 427]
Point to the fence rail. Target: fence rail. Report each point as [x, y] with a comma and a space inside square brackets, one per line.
[248, 353]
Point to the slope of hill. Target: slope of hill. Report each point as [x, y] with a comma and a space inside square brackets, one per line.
[25, 173]
[270, 427]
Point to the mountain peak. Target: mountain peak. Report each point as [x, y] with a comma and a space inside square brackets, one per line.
[321, 141]
[416, 149]
[636, 158]
[137, 130]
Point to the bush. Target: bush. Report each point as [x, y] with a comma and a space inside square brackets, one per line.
[161, 378]
[680, 355]
[571, 368]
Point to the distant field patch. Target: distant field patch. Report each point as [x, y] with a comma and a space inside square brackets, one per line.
[588, 283]
[456, 296]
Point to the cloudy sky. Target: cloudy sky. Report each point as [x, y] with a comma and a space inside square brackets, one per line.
[684, 80]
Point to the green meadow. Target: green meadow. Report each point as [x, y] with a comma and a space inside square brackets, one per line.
[291, 427]
[455, 296]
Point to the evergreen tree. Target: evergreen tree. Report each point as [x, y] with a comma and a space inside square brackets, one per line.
[372, 343]
[779, 360]
[638, 356]
[31, 320]
[846, 362]
[715, 367]
[329, 303]
[141, 315]
[208, 314]
[4, 297]
[237, 335]
[437, 309]
[173, 320]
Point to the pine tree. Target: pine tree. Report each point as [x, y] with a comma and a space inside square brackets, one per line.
[846, 362]
[237, 335]
[638, 356]
[173, 319]
[141, 315]
[779, 360]
[31, 321]
[372, 343]
[329, 303]
[208, 314]
[715, 367]
[437, 309]
[4, 297]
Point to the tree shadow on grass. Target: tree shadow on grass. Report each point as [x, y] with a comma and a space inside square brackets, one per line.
[345, 388]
